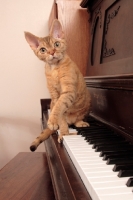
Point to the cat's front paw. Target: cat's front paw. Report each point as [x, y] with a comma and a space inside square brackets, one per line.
[82, 124]
[60, 139]
[53, 125]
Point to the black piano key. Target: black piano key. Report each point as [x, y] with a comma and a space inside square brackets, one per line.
[124, 162]
[95, 130]
[93, 127]
[109, 147]
[114, 160]
[124, 155]
[93, 140]
[92, 135]
[110, 151]
[129, 182]
[118, 167]
[90, 128]
[95, 133]
[117, 155]
[110, 144]
[109, 141]
[102, 139]
[125, 173]
[113, 144]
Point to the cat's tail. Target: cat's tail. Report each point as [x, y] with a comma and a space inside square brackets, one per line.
[42, 137]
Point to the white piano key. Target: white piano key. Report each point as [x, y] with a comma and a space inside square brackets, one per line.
[98, 177]
[93, 158]
[96, 168]
[87, 154]
[90, 163]
[96, 174]
[82, 146]
[110, 184]
[115, 190]
[104, 180]
[117, 197]
[86, 151]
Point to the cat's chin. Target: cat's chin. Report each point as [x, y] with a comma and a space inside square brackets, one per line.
[53, 61]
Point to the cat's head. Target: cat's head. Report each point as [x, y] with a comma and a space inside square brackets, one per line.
[50, 49]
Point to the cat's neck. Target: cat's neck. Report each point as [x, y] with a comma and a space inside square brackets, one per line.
[53, 66]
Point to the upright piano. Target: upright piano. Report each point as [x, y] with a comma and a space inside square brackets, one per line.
[97, 163]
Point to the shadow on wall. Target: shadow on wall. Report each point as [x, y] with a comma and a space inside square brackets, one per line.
[16, 136]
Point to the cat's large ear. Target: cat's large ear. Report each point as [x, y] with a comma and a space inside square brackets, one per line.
[32, 40]
[56, 30]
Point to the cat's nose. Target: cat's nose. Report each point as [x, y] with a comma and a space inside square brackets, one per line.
[52, 52]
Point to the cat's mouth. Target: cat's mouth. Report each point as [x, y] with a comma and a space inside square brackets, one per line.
[53, 59]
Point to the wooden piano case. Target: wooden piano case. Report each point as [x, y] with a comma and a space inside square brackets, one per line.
[109, 75]
[109, 78]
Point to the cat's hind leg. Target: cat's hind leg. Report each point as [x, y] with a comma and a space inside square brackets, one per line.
[81, 124]
[42, 137]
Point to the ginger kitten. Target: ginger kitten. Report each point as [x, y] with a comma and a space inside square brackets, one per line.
[70, 98]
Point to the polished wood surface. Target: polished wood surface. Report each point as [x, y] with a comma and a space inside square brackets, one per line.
[112, 101]
[74, 20]
[110, 72]
[26, 177]
[110, 37]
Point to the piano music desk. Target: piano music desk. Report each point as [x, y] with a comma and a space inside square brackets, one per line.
[26, 177]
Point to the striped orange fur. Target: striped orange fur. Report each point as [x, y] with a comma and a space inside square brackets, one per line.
[70, 98]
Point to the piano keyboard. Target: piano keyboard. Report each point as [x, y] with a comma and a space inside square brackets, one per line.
[99, 162]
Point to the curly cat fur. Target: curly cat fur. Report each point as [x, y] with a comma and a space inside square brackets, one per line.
[70, 98]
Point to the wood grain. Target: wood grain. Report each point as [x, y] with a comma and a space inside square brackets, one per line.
[54, 12]
[26, 177]
[74, 20]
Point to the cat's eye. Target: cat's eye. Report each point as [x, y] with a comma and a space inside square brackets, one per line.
[56, 44]
[43, 50]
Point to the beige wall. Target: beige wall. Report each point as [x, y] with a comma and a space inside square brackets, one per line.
[22, 81]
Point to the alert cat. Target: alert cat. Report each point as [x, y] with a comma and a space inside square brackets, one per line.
[70, 98]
